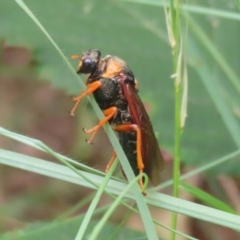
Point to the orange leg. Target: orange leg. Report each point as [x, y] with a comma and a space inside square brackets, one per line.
[108, 113]
[129, 128]
[114, 155]
[92, 87]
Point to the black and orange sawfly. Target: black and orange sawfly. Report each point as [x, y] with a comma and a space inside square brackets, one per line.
[115, 90]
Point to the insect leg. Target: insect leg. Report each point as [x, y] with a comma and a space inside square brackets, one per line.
[108, 113]
[90, 89]
[129, 128]
[114, 155]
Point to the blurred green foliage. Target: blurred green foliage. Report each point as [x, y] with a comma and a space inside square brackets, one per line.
[137, 33]
[68, 230]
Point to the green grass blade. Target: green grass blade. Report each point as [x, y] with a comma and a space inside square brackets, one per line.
[203, 168]
[195, 210]
[108, 213]
[114, 187]
[207, 198]
[49, 169]
[94, 203]
[191, 9]
[37, 144]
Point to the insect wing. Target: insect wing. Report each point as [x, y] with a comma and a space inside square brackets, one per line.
[152, 157]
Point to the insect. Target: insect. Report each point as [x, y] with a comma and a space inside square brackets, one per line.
[115, 89]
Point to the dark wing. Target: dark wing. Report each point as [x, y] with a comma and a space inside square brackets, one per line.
[152, 157]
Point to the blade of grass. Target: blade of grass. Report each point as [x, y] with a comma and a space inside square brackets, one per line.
[74, 209]
[108, 213]
[175, 39]
[37, 144]
[49, 169]
[195, 210]
[122, 223]
[48, 150]
[203, 168]
[93, 205]
[155, 199]
[63, 173]
[103, 220]
[191, 9]
[207, 198]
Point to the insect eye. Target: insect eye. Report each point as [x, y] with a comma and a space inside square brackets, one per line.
[88, 65]
[88, 61]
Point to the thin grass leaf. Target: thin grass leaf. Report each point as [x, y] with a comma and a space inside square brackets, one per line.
[93, 205]
[114, 187]
[63, 173]
[57, 230]
[122, 223]
[45, 148]
[74, 209]
[116, 203]
[37, 144]
[108, 213]
[207, 198]
[195, 210]
[191, 9]
[203, 168]
[49, 169]
[177, 59]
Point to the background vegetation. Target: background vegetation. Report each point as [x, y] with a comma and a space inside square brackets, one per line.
[36, 89]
